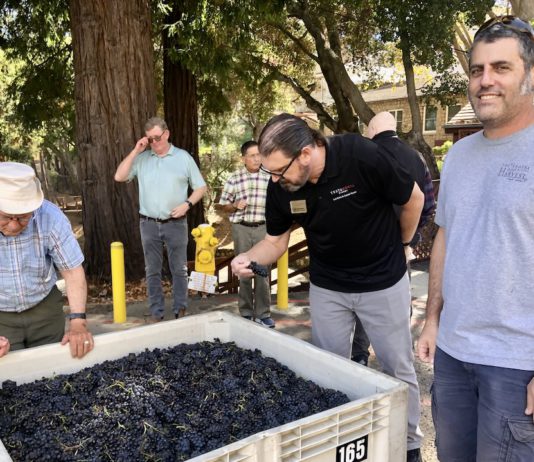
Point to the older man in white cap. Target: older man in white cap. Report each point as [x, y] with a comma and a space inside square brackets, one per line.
[36, 239]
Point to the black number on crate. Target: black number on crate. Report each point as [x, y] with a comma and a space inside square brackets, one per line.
[353, 451]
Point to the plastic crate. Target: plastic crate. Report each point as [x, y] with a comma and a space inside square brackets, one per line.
[377, 411]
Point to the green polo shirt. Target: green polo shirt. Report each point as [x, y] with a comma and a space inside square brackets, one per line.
[163, 181]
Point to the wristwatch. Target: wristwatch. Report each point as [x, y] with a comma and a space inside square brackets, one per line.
[72, 316]
[188, 202]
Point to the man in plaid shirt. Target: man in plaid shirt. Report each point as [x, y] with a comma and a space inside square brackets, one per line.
[243, 197]
[36, 239]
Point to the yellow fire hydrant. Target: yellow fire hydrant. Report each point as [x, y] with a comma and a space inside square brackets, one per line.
[205, 251]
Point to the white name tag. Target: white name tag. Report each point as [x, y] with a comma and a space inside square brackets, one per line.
[298, 206]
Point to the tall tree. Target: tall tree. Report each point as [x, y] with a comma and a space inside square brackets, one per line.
[180, 104]
[115, 95]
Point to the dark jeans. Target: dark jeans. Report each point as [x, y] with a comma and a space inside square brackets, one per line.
[42, 324]
[478, 412]
[173, 235]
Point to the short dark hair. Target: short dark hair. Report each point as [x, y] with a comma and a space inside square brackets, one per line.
[499, 31]
[289, 134]
[247, 145]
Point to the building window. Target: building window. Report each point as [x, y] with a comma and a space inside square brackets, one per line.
[398, 114]
[452, 110]
[431, 113]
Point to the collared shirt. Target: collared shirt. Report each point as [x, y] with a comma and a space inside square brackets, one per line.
[28, 261]
[354, 238]
[163, 181]
[251, 187]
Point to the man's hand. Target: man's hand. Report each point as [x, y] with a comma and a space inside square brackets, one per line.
[530, 399]
[241, 204]
[79, 338]
[240, 266]
[180, 211]
[426, 345]
[141, 145]
[4, 346]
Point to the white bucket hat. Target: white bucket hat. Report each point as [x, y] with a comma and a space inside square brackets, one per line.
[20, 189]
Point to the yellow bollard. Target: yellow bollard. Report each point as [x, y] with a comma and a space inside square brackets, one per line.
[118, 282]
[282, 281]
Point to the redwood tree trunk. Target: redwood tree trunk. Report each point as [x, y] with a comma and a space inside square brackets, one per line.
[181, 114]
[115, 95]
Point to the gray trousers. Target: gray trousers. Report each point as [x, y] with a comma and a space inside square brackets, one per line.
[173, 235]
[386, 320]
[252, 302]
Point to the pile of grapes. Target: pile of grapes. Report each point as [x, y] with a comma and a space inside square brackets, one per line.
[161, 405]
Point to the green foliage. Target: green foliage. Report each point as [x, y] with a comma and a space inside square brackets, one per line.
[440, 152]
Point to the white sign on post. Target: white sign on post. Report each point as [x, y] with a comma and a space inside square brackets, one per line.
[202, 282]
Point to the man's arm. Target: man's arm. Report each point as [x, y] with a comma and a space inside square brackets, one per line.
[78, 337]
[182, 209]
[426, 346]
[410, 213]
[265, 252]
[123, 170]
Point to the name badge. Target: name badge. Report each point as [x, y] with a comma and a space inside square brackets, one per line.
[298, 206]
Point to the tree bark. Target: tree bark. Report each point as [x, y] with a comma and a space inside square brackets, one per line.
[115, 95]
[181, 114]
[415, 136]
[523, 9]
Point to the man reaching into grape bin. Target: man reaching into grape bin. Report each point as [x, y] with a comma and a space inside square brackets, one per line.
[36, 239]
[341, 190]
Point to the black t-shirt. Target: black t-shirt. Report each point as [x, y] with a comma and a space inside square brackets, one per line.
[353, 234]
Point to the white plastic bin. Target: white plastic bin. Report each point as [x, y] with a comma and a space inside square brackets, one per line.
[375, 417]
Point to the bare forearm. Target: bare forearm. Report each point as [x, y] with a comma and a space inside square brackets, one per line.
[267, 252]
[196, 195]
[123, 170]
[435, 280]
[76, 287]
[410, 213]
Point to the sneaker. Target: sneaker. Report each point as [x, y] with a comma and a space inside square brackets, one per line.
[414, 455]
[268, 322]
[360, 360]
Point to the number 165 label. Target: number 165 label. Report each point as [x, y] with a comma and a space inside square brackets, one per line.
[353, 451]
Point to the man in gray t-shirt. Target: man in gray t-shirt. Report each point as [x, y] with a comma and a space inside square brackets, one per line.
[479, 327]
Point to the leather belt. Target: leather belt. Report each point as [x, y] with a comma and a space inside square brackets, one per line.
[251, 224]
[159, 220]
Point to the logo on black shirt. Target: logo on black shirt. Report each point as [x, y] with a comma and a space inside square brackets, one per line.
[344, 191]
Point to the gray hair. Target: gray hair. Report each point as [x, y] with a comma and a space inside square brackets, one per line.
[155, 122]
[289, 134]
[499, 31]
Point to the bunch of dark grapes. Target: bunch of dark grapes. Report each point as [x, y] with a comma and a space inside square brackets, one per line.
[165, 405]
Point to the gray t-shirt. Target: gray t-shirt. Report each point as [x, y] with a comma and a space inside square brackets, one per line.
[486, 205]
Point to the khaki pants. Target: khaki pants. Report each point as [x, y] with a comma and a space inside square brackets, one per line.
[44, 323]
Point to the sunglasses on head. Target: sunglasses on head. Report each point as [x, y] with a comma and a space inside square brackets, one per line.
[509, 22]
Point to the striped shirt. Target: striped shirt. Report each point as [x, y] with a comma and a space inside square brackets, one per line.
[251, 187]
[28, 261]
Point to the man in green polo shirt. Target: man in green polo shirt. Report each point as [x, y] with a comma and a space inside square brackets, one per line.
[164, 173]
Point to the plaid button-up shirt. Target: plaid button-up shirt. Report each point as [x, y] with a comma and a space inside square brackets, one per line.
[249, 186]
[28, 262]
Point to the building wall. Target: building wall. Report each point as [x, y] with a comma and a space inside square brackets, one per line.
[433, 138]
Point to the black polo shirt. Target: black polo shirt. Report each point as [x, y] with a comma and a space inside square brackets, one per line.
[353, 234]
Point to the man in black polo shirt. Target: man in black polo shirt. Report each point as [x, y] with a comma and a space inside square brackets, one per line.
[341, 191]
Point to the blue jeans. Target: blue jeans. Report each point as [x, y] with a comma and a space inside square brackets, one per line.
[174, 236]
[478, 412]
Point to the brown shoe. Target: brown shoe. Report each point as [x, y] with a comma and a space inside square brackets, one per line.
[149, 319]
[181, 313]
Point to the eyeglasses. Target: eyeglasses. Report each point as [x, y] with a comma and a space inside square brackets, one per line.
[23, 220]
[284, 170]
[510, 22]
[151, 139]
